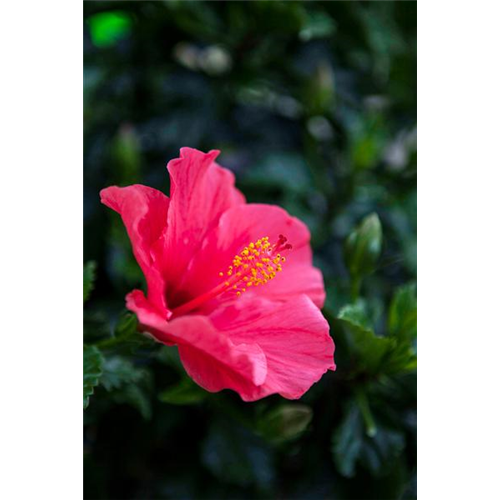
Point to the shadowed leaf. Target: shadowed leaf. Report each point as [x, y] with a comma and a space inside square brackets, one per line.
[92, 371]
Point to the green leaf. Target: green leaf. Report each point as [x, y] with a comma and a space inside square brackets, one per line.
[402, 327]
[127, 384]
[402, 321]
[136, 396]
[88, 278]
[95, 325]
[286, 422]
[236, 456]
[363, 247]
[356, 315]
[373, 355]
[368, 349]
[92, 371]
[186, 392]
[378, 453]
[401, 359]
[351, 444]
[118, 371]
[347, 441]
[126, 325]
[124, 331]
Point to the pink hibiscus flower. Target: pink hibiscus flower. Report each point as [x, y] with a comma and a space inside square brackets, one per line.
[230, 283]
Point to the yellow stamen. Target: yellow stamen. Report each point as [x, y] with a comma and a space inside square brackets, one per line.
[255, 265]
[259, 263]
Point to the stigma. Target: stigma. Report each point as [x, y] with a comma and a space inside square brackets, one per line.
[257, 264]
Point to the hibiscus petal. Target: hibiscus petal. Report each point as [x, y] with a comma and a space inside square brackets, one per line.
[144, 214]
[296, 279]
[210, 358]
[200, 192]
[244, 224]
[293, 335]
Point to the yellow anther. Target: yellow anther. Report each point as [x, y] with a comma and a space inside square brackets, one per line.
[255, 265]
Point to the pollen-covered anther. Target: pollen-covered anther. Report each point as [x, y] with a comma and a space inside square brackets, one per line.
[257, 264]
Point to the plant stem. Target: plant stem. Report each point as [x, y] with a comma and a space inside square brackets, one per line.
[362, 400]
[355, 288]
[103, 344]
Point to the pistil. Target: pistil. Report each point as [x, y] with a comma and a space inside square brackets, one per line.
[255, 265]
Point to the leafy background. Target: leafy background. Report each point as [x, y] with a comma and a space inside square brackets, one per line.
[313, 105]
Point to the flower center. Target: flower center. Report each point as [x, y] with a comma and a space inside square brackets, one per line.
[255, 265]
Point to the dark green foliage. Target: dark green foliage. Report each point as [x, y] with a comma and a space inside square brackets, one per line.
[363, 246]
[368, 350]
[374, 354]
[92, 371]
[185, 392]
[403, 313]
[285, 422]
[235, 455]
[313, 106]
[118, 372]
[88, 279]
[372, 445]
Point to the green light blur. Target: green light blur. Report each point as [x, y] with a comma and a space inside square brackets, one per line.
[109, 27]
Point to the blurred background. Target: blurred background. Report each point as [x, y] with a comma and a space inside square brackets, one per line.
[313, 106]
